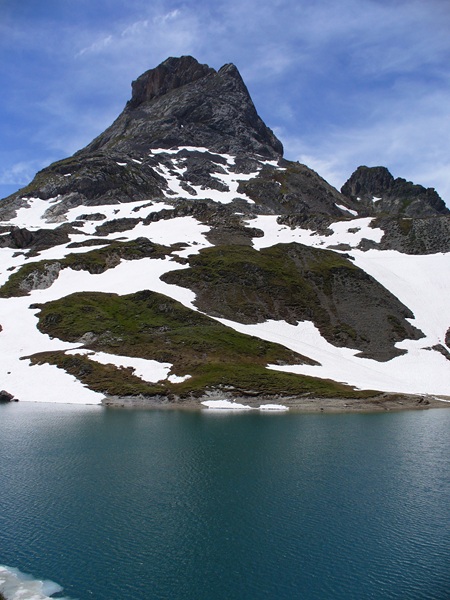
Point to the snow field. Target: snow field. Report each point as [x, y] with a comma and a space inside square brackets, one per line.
[422, 283]
[417, 372]
[20, 337]
[229, 178]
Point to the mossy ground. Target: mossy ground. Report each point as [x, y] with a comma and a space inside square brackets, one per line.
[293, 283]
[285, 282]
[152, 326]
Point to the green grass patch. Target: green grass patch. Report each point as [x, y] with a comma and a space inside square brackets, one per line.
[153, 326]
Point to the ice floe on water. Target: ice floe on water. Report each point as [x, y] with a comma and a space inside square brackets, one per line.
[15, 585]
[230, 405]
[225, 405]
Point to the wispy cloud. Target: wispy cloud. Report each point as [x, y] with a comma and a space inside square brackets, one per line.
[97, 46]
[20, 173]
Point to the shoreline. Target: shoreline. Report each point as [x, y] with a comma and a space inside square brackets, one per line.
[226, 403]
[379, 403]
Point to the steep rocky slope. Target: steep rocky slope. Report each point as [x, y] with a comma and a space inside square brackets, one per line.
[180, 256]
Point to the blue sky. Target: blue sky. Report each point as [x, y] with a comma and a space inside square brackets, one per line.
[341, 82]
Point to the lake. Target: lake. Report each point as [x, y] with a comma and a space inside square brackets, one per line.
[178, 505]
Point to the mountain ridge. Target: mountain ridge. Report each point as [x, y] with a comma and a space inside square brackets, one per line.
[187, 194]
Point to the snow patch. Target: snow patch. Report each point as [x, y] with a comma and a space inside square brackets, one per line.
[349, 210]
[150, 371]
[178, 379]
[344, 232]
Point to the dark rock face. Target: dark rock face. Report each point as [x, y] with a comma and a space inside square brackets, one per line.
[21, 239]
[183, 103]
[6, 396]
[96, 179]
[170, 75]
[379, 192]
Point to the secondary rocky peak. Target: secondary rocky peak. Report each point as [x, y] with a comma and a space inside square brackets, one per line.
[379, 192]
[169, 75]
[366, 181]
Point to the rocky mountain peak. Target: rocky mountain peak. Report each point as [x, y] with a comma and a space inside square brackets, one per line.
[379, 192]
[184, 103]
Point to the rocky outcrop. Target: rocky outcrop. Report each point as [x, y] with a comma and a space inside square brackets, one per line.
[6, 396]
[295, 189]
[377, 192]
[21, 238]
[41, 279]
[413, 236]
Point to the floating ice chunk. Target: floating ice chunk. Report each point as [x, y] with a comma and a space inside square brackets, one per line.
[225, 405]
[15, 585]
[276, 407]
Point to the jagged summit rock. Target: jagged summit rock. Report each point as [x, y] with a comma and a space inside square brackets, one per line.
[376, 189]
[169, 75]
[184, 103]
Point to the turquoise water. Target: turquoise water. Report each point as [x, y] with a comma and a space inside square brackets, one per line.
[118, 505]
